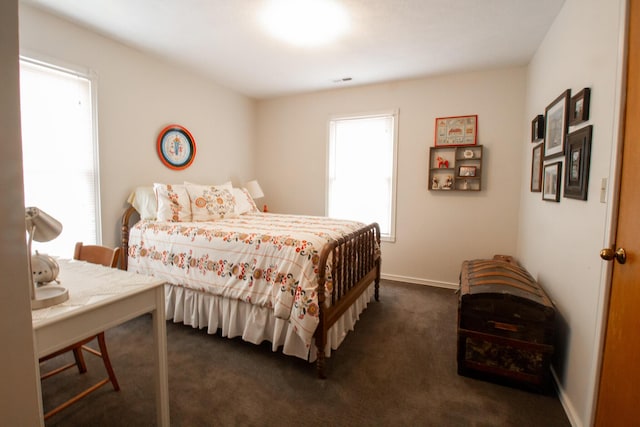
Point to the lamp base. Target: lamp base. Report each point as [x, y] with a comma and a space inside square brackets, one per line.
[47, 296]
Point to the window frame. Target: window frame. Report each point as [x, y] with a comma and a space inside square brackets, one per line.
[394, 114]
[89, 74]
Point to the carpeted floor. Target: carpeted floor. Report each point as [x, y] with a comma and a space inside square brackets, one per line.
[398, 368]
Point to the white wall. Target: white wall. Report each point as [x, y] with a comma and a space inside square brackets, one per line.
[560, 242]
[435, 231]
[19, 391]
[138, 95]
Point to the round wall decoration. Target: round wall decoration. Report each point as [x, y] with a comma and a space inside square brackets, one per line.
[176, 147]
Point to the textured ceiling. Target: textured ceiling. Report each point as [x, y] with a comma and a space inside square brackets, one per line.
[387, 39]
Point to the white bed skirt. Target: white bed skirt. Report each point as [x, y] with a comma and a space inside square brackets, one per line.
[254, 324]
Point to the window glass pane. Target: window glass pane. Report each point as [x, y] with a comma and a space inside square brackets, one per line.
[59, 152]
[361, 170]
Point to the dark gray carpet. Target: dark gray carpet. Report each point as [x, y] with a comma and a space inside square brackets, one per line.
[398, 368]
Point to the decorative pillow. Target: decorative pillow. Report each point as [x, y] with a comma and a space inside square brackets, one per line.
[143, 199]
[173, 202]
[244, 201]
[211, 202]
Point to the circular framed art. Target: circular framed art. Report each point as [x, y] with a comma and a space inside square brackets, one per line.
[176, 147]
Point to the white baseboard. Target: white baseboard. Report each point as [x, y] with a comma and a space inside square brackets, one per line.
[419, 281]
[566, 403]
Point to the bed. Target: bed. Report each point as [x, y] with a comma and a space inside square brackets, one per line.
[299, 282]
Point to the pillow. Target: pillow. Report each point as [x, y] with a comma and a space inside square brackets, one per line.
[173, 202]
[244, 201]
[211, 202]
[143, 200]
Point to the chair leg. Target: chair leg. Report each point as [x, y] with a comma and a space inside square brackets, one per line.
[107, 362]
[77, 354]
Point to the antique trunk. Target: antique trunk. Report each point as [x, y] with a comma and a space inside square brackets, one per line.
[505, 325]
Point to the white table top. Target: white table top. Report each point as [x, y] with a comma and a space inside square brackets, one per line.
[89, 286]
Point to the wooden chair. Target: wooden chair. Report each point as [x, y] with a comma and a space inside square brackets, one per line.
[97, 255]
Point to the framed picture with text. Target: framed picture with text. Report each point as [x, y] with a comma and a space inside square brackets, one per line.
[456, 131]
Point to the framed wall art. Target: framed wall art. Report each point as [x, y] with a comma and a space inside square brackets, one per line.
[536, 169]
[579, 108]
[465, 171]
[456, 131]
[537, 128]
[577, 159]
[551, 182]
[556, 117]
[176, 147]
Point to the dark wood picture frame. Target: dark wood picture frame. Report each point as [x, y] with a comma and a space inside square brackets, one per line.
[556, 118]
[577, 159]
[537, 128]
[552, 175]
[536, 169]
[579, 109]
[456, 131]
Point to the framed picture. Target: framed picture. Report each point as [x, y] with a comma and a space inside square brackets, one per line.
[537, 128]
[577, 159]
[551, 185]
[555, 125]
[536, 169]
[579, 109]
[456, 131]
[176, 147]
[467, 171]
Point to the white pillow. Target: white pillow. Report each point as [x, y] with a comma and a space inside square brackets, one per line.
[244, 201]
[144, 201]
[211, 202]
[173, 202]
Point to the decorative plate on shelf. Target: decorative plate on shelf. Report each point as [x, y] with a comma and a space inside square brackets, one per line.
[176, 147]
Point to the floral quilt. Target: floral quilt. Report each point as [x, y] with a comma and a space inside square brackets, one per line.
[261, 258]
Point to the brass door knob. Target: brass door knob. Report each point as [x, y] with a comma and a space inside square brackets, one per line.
[609, 254]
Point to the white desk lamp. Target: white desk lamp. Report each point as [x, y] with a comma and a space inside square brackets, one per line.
[43, 228]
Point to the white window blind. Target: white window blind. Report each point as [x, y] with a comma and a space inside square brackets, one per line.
[361, 173]
[59, 148]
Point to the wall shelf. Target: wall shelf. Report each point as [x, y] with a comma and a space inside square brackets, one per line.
[455, 168]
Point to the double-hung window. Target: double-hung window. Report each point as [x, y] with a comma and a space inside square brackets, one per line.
[60, 152]
[362, 169]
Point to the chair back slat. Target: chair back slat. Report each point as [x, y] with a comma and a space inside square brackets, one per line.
[96, 254]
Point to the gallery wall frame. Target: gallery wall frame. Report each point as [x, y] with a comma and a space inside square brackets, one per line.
[536, 169]
[552, 176]
[579, 107]
[556, 117]
[537, 128]
[577, 159]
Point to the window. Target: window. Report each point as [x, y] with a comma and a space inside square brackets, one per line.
[59, 148]
[361, 176]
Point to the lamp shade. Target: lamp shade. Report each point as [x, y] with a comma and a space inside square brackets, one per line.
[41, 226]
[254, 189]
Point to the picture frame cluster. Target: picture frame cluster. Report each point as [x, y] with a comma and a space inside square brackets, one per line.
[559, 147]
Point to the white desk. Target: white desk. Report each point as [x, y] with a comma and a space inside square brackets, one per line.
[101, 298]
